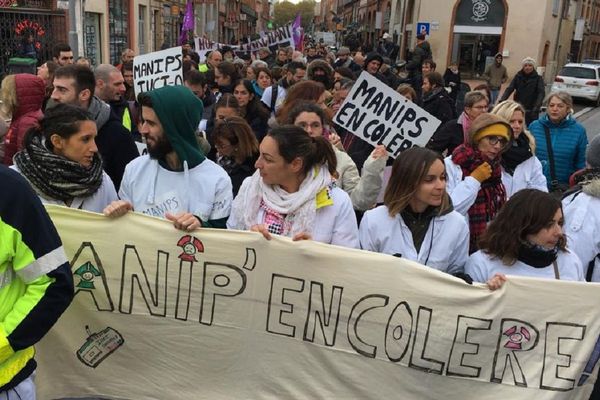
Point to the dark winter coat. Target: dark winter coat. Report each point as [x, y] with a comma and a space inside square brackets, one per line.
[115, 143]
[452, 81]
[447, 137]
[439, 104]
[529, 90]
[31, 91]
[421, 53]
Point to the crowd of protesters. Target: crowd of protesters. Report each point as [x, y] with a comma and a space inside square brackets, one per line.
[248, 143]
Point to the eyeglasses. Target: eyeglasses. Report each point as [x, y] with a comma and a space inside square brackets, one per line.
[480, 107]
[494, 140]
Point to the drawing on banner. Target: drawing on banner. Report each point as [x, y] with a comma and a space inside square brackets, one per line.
[155, 70]
[98, 346]
[90, 277]
[86, 273]
[379, 115]
[190, 246]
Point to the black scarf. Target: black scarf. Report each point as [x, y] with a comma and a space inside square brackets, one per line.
[56, 177]
[518, 152]
[537, 256]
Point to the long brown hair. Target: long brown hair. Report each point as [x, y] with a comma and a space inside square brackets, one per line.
[408, 172]
[305, 90]
[527, 212]
[237, 132]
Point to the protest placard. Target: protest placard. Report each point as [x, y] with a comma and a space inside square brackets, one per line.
[164, 314]
[379, 115]
[158, 69]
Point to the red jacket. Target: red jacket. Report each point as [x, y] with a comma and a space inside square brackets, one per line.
[30, 97]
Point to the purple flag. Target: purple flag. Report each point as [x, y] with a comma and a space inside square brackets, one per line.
[298, 33]
[188, 22]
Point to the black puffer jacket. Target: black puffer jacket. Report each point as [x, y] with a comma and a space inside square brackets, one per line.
[439, 104]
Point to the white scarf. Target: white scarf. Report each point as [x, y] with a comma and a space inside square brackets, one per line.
[299, 207]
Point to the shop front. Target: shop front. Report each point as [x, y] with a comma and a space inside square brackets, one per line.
[478, 34]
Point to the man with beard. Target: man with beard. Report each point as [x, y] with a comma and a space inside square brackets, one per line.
[320, 71]
[344, 60]
[76, 84]
[274, 95]
[175, 180]
[110, 88]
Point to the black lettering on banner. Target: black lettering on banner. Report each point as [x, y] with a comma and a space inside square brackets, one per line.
[388, 108]
[591, 364]
[419, 346]
[398, 332]
[391, 146]
[380, 132]
[365, 132]
[399, 113]
[342, 112]
[158, 64]
[184, 290]
[250, 261]
[317, 312]
[280, 285]
[100, 294]
[461, 347]
[361, 307]
[419, 130]
[362, 90]
[219, 280]
[557, 334]
[356, 119]
[409, 116]
[405, 145]
[514, 336]
[375, 103]
[132, 272]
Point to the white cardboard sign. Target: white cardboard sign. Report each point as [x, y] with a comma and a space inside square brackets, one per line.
[379, 115]
[155, 70]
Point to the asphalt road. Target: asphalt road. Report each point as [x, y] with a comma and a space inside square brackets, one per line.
[589, 117]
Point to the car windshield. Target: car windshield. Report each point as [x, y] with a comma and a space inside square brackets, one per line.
[578, 72]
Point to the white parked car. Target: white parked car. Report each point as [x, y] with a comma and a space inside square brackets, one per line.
[579, 80]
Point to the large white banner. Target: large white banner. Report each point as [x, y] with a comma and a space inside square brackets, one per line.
[155, 70]
[282, 36]
[379, 115]
[214, 314]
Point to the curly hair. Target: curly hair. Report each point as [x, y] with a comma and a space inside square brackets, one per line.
[527, 212]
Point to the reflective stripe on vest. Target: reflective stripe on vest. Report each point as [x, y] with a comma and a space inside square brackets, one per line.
[127, 119]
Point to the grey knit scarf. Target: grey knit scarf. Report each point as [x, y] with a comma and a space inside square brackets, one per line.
[55, 176]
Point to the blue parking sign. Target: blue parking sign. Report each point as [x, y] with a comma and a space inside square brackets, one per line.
[423, 28]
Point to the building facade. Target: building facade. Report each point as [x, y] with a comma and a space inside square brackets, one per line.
[471, 32]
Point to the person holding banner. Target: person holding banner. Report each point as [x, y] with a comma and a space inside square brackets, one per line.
[526, 238]
[363, 190]
[417, 220]
[475, 173]
[175, 180]
[292, 193]
[61, 161]
[520, 167]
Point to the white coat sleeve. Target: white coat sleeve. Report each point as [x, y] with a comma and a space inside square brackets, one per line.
[458, 257]
[365, 235]
[475, 268]
[364, 195]
[349, 175]
[223, 198]
[125, 189]
[345, 229]
[538, 179]
[463, 192]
